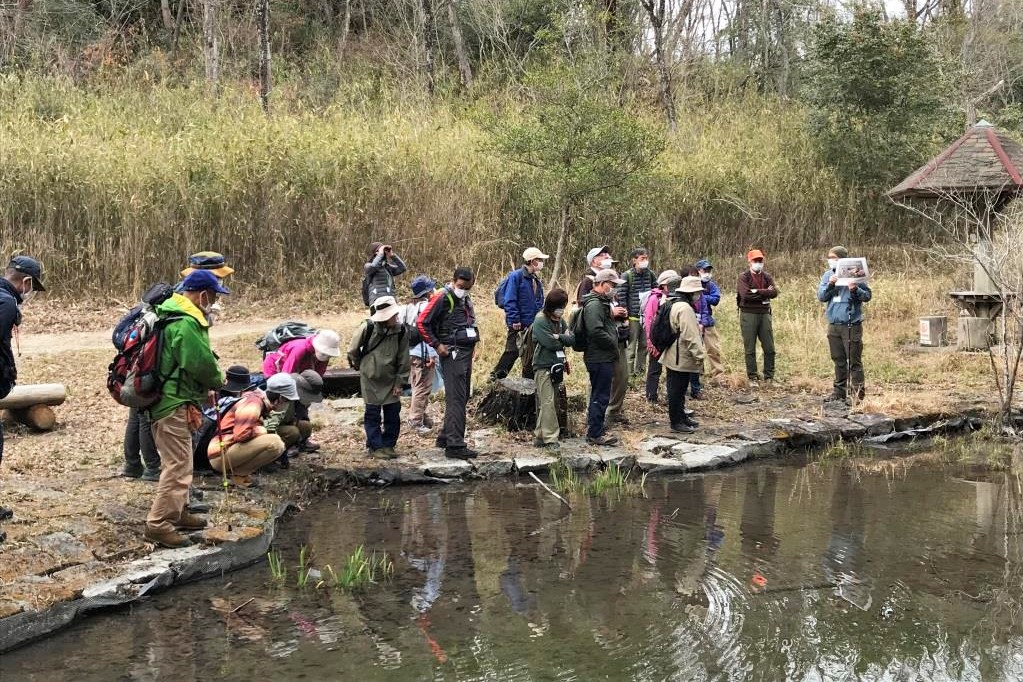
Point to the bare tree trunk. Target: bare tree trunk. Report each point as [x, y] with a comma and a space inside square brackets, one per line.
[263, 28]
[211, 43]
[429, 31]
[177, 23]
[168, 17]
[346, 23]
[21, 9]
[566, 221]
[464, 68]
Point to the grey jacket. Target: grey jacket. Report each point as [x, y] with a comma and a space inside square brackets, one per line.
[380, 273]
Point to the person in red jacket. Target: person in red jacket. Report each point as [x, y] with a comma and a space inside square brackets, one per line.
[755, 290]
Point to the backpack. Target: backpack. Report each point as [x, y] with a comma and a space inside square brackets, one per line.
[502, 289]
[364, 349]
[153, 296]
[662, 333]
[133, 377]
[207, 431]
[575, 323]
[527, 348]
[281, 334]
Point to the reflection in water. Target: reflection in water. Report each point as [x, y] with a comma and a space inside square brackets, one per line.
[763, 573]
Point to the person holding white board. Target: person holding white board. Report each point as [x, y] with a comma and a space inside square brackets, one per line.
[843, 288]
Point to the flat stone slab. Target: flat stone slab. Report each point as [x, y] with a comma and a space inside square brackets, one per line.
[847, 429]
[708, 457]
[623, 459]
[534, 463]
[494, 468]
[444, 467]
[581, 461]
[875, 424]
[658, 444]
[659, 465]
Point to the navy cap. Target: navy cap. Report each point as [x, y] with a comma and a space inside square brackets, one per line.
[31, 267]
[203, 280]
[704, 265]
[422, 285]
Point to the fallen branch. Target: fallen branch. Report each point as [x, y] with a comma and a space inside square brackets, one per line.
[548, 489]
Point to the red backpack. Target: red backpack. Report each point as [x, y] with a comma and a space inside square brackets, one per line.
[133, 377]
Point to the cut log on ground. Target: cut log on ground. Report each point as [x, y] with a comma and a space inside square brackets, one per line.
[27, 395]
[37, 417]
[511, 402]
[341, 383]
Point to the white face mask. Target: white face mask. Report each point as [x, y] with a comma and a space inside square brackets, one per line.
[27, 296]
[756, 267]
[832, 263]
[538, 265]
[606, 264]
[213, 313]
[322, 357]
[560, 312]
[642, 264]
[706, 277]
[459, 293]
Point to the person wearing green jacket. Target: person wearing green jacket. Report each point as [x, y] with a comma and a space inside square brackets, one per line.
[379, 350]
[601, 352]
[550, 364]
[190, 372]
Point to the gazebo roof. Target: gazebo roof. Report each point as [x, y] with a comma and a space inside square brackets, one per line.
[984, 159]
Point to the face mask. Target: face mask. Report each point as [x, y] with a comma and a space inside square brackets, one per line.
[560, 312]
[27, 296]
[706, 277]
[322, 357]
[213, 313]
[756, 267]
[606, 264]
[538, 265]
[832, 263]
[459, 293]
[642, 265]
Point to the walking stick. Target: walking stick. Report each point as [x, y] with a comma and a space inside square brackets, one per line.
[225, 463]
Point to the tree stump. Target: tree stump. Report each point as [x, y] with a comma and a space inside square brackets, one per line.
[37, 417]
[511, 403]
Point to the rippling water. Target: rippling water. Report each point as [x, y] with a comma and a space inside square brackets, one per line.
[821, 572]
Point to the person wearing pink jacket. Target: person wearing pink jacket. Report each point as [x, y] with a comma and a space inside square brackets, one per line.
[298, 355]
[666, 282]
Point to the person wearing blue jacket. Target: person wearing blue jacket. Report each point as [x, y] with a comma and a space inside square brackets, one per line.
[523, 299]
[845, 327]
[708, 325]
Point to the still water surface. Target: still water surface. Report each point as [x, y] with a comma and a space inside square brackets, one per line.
[770, 572]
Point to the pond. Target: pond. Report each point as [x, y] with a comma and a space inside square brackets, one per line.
[839, 571]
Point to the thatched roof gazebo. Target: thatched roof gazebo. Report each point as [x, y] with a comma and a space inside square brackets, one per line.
[978, 175]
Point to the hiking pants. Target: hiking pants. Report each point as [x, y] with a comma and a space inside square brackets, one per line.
[139, 446]
[512, 350]
[676, 385]
[756, 326]
[619, 385]
[637, 348]
[548, 428]
[293, 434]
[382, 433]
[457, 372]
[653, 378]
[243, 459]
[846, 344]
[601, 376]
[174, 442]
[421, 379]
[712, 346]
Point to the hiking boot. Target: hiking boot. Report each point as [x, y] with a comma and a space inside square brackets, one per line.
[697, 396]
[424, 431]
[552, 448]
[689, 421]
[383, 453]
[132, 471]
[151, 475]
[6, 513]
[603, 441]
[460, 453]
[538, 442]
[682, 427]
[190, 522]
[166, 538]
[835, 397]
[309, 446]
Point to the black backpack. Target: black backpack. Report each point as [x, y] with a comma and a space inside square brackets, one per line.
[575, 323]
[662, 333]
[153, 296]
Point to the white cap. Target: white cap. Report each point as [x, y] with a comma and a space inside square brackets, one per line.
[690, 285]
[533, 253]
[385, 308]
[327, 342]
[283, 384]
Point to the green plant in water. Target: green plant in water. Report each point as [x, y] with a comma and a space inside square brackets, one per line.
[303, 567]
[564, 479]
[614, 482]
[361, 569]
[841, 449]
[277, 569]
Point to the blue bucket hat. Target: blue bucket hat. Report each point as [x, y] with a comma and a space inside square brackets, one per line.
[422, 285]
[704, 265]
[203, 280]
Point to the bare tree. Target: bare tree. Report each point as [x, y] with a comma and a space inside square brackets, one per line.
[167, 14]
[211, 43]
[263, 28]
[973, 230]
[464, 68]
[429, 43]
[657, 13]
